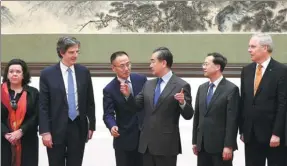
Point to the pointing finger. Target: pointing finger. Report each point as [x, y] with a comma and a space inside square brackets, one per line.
[181, 90]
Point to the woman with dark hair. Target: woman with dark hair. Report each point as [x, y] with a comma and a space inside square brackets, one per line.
[19, 117]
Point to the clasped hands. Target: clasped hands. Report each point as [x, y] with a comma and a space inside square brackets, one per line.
[124, 88]
[14, 136]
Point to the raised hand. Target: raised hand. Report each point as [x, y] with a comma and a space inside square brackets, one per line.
[180, 96]
[124, 88]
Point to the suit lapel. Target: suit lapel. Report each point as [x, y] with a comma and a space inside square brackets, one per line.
[218, 90]
[152, 89]
[135, 85]
[78, 81]
[203, 96]
[250, 79]
[59, 76]
[266, 78]
[166, 91]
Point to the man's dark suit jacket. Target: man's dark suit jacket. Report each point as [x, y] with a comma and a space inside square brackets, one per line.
[53, 114]
[118, 113]
[263, 113]
[286, 129]
[160, 130]
[216, 124]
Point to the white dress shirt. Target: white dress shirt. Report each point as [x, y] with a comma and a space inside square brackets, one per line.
[264, 67]
[164, 82]
[65, 73]
[216, 82]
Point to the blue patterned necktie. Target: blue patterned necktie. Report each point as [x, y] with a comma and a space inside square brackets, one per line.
[210, 93]
[71, 96]
[157, 91]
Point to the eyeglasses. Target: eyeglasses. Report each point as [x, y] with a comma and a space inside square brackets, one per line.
[123, 66]
[204, 64]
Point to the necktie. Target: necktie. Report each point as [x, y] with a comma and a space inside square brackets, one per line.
[258, 78]
[157, 91]
[71, 96]
[130, 87]
[210, 93]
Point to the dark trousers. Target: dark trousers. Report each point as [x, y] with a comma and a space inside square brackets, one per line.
[128, 158]
[256, 154]
[157, 160]
[71, 152]
[211, 159]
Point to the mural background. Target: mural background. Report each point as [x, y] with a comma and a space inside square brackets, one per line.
[140, 17]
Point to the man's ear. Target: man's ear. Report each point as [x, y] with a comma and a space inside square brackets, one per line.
[113, 67]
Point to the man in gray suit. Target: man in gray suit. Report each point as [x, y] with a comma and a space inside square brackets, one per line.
[215, 119]
[163, 99]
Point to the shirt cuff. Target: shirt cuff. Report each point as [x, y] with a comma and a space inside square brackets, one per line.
[182, 105]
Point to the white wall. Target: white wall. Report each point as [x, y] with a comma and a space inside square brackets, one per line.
[99, 150]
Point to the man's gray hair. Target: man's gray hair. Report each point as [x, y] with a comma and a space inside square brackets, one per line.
[265, 40]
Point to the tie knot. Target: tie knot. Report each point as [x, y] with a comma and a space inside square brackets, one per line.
[211, 85]
[259, 67]
[69, 70]
[159, 80]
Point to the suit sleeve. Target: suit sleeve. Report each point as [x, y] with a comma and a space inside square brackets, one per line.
[136, 102]
[145, 79]
[109, 110]
[91, 104]
[241, 105]
[279, 123]
[33, 121]
[187, 111]
[231, 118]
[44, 116]
[196, 119]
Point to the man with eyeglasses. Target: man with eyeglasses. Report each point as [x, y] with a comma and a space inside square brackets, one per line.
[216, 111]
[263, 105]
[123, 123]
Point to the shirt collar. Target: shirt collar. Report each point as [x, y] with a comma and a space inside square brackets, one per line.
[64, 68]
[265, 63]
[123, 80]
[216, 82]
[167, 76]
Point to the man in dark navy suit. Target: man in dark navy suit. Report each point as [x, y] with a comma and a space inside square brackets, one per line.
[263, 105]
[123, 123]
[67, 109]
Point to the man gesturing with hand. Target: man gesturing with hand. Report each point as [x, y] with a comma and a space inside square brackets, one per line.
[163, 100]
[123, 123]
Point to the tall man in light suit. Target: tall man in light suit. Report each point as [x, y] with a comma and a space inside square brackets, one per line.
[163, 100]
[263, 105]
[67, 108]
[216, 111]
[123, 123]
